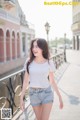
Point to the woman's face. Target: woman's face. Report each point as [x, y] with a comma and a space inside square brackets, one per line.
[36, 50]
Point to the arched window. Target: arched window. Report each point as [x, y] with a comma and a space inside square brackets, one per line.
[7, 45]
[1, 45]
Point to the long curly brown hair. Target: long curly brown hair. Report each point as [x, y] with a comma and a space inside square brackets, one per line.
[42, 44]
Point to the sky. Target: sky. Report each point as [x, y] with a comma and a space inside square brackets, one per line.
[59, 17]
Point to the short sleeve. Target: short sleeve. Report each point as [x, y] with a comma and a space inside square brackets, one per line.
[25, 65]
[52, 67]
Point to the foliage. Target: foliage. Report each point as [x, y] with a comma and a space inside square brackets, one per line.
[0, 6]
[59, 41]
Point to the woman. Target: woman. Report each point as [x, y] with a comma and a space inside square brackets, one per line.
[40, 72]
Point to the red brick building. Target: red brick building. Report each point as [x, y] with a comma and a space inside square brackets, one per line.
[15, 35]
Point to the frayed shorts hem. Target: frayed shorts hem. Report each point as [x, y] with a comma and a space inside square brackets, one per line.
[42, 103]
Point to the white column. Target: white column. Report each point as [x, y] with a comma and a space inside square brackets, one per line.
[4, 46]
[26, 44]
[16, 45]
[28, 41]
[10, 45]
[21, 51]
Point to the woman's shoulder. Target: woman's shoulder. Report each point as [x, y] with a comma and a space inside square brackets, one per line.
[52, 65]
[26, 61]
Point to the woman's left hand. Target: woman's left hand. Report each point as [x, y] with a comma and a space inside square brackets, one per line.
[61, 103]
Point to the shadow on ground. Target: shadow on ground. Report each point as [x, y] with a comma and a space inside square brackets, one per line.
[72, 99]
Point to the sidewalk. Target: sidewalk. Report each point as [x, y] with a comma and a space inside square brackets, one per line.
[69, 86]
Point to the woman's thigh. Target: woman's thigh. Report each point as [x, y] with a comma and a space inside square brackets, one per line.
[46, 109]
[38, 111]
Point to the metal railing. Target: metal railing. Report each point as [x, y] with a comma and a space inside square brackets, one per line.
[58, 59]
[11, 85]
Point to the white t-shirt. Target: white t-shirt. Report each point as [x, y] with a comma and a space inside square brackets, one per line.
[38, 73]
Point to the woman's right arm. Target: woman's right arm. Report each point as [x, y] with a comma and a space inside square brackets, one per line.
[25, 85]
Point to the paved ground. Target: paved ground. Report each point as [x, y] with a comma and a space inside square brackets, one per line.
[69, 86]
[68, 80]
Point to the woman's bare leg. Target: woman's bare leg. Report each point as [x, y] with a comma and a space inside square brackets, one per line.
[46, 109]
[38, 111]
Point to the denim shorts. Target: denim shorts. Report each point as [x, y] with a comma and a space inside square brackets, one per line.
[40, 96]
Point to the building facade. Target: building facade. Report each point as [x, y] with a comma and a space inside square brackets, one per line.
[76, 25]
[15, 34]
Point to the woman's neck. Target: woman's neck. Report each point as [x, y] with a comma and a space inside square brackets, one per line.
[40, 59]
